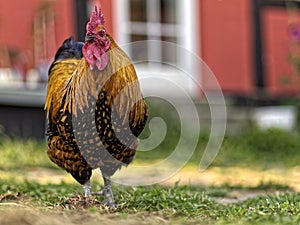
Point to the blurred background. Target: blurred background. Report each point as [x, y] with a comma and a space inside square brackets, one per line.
[251, 46]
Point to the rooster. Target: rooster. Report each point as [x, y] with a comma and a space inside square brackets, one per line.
[95, 108]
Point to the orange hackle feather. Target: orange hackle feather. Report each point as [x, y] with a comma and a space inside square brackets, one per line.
[61, 72]
[73, 81]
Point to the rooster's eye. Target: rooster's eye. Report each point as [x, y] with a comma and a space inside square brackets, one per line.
[102, 33]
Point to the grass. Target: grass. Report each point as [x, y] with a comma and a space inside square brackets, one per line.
[200, 205]
[259, 148]
[62, 203]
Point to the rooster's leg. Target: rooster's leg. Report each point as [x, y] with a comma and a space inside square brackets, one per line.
[108, 194]
[87, 189]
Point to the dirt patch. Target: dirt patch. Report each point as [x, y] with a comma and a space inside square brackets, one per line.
[34, 216]
[38, 217]
[10, 197]
[216, 176]
[79, 202]
[237, 176]
[249, 177]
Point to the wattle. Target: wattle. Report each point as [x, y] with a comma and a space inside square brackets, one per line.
[95, 54]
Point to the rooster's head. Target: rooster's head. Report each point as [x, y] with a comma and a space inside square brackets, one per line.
[96, 41]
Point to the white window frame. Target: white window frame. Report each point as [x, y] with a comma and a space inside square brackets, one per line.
[187, 36]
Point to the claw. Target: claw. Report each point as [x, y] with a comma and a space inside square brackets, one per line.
[111, 206]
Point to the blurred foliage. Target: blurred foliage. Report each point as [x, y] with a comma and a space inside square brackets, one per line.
[261, 148]
[18, 154]
[250, 147]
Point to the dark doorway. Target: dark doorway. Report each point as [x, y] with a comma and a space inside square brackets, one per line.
[81, 18]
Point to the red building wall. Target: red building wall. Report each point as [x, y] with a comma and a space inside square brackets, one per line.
[227, 46]
[17, 22]
[280, 77]
[227, 39]
[107, 8]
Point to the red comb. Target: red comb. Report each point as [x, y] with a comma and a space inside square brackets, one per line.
[97, 15]
[95, 19]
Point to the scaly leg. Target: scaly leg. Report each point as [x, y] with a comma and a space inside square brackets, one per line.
[108, 194]
[87, 189]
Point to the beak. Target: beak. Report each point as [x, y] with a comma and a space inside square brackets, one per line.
[89, 37]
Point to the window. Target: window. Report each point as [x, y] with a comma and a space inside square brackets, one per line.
[172, 21]
[153, 20]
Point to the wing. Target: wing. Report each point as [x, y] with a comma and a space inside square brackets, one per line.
[65, 62]
[62, 147]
